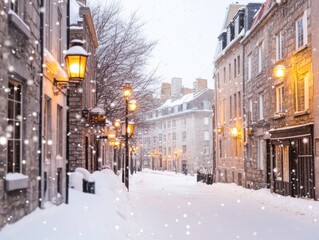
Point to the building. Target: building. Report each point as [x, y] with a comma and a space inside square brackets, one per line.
[315, 68]
[20, 79]
[179, 136]
[54, 105]
[85, 149]
[229, 93]
[280, 109]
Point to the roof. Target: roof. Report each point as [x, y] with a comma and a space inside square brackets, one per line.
[185, 99]
[262, 12]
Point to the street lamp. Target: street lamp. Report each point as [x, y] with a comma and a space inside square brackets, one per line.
[75, 59]
[130, 106]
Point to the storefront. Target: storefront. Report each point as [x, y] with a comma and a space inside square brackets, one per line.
[293, 161]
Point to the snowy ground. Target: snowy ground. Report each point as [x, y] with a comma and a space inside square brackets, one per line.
[162, 206]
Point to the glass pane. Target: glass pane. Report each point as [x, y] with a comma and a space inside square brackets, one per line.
[10, 109]
[17, 93]
[17, 129]
[10, 156]
[18, 109]
[17, 156]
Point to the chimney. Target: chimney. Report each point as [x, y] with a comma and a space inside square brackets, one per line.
[199, 85]
[176, 91]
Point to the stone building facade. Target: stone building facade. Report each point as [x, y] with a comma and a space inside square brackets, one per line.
[280, 111]
[180, 134]
[20, 80]
[229, 94]
[84, 147]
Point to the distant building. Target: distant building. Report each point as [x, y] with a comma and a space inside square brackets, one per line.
[180, 134]
[229, 92]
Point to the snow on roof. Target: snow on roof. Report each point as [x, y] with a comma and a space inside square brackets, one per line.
[74, 12]
[186, 98]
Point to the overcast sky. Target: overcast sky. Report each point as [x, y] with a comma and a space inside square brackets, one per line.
[186, 32]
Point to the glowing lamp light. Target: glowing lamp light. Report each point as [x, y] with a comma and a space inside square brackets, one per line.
[279, 71]
[75, 61]
[220, 130]
[132, 105]
[111, 134]
[234, 132]
[117, 123]
[127, 90]
[130, 129]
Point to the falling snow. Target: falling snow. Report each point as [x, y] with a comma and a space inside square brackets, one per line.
[163, 205]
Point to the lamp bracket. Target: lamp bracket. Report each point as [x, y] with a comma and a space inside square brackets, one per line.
[59, 86]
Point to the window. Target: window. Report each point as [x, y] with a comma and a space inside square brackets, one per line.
[235, 67]
[48, 24]
[235, 105]
[168, 124]
[229, 72]
[59, 137]
[184, 121]
[174, 123]
[251, 115]
[184, 135]
[169, 138]
[223, 112]
[206, 121]
[238, 65]
[249, 68]
[206, 136]
[15, 124]
[160, 137]
[14, 6]
[224, 75]
[220, 148]
[239, 104]
[184, 149]
[279, 46]
[260, 154]
[282, 162]
[261, 106]
[60, 48]
[174, 137]
[164, 138]
[302, 94]
[279, 98]
[230, 108]
[301, 31]
[164, 125]
[154, 140]
[206, 149]
[218, 84]
[47, 128]
[260, 56]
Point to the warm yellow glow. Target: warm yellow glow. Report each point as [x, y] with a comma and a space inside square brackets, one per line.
[219, 130]
[127, 90]
[75, 66]
[279, 71]
[234, 132]
[132, 105]
[117, 123]
[130, 129]
[111, 134]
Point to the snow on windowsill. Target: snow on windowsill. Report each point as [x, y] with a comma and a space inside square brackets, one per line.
[19, 23]
[16, 181]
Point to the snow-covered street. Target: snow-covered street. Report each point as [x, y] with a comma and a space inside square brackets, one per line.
[165, 205]
[176, 207]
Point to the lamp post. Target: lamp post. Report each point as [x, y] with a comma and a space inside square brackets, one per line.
[75, 61]
[130, 106]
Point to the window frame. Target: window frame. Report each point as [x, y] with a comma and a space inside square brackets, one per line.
[279, 46]
[280, 91]
[17, 152]
[301, 31]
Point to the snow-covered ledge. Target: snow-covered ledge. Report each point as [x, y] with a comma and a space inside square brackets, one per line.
[16, 181]
[19, 23]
